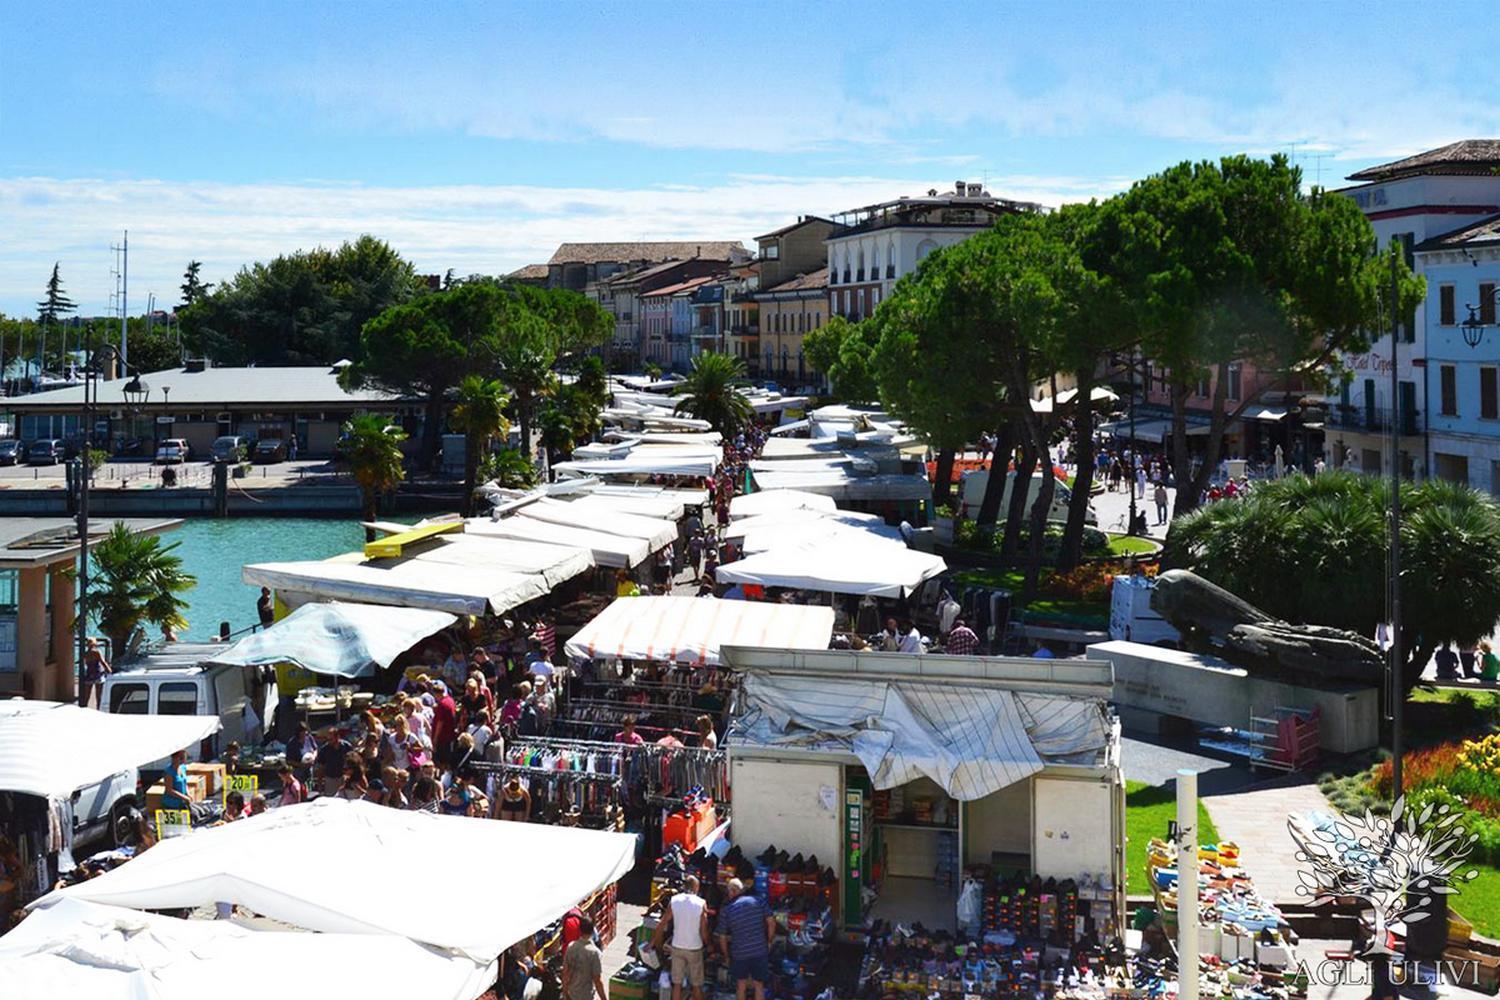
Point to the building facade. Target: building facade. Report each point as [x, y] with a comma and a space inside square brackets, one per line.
[621, 296]
[788, 313]
[874, 246]
[1416, 201]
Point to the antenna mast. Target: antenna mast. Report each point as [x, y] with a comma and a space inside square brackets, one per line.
[123, 252]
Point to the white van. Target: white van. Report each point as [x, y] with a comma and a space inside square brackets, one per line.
[1131, 617]
[971, 490]
[179, 681]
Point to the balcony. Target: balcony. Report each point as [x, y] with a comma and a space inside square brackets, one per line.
[745, 330]
[1371, 419]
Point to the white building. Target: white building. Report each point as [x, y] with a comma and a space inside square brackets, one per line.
[878, 244]
[1414, 201]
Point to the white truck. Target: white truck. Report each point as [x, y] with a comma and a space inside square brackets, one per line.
[181, 680]
[972, 488]
[1131, 617]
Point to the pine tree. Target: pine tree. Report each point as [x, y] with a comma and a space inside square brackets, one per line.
[56, 304]
[192, 288]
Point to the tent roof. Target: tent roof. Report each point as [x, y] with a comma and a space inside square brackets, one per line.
[839, 480]
[666, 507]
[465, 574]
[72, 948]
[770, 500]
[51, 749]
[650, 460]
[842, 564]
[348, 640]
[692, 629]
[790, 527]
[655, 531]
[310, 865]
[606, 549]
[971, 739]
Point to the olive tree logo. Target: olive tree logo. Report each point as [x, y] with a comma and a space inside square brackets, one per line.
[1394, 865]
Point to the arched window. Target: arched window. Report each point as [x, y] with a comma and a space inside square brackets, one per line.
[924, 248]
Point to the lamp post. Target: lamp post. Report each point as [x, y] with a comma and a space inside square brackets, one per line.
[1398, 688]
[135, 393]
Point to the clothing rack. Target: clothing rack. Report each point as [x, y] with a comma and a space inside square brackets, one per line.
[499, 767]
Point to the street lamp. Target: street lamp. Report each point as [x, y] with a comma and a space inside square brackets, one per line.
[1474, 326]
[135, 393]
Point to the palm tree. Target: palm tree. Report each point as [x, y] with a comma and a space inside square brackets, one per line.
[372, 450]
[710, 392]
[480, 415]
[524, 357]
[135, 580]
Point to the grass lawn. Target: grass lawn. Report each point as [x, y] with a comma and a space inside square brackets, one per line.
[1013, 580]
[1148, 810]
[1479, 901]
[1129, 545]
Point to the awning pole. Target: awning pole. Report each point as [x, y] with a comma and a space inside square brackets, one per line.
[1187, 885]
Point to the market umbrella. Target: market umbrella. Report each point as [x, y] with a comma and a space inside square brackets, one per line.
[338, 638]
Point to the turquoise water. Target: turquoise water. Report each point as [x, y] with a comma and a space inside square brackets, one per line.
[215, 549]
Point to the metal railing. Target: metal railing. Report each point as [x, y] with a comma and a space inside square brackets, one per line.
[1374, 419]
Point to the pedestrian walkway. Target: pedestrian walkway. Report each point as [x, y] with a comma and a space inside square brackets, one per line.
[628, 917]
[1255, 819]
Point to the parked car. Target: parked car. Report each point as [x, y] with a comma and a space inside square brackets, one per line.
[173, 451]
[270, 450]
[231, 448]
[45, 451]
[11, 452]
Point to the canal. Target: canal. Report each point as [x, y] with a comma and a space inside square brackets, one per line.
[214, 550]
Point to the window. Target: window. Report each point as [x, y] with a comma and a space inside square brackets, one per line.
[1448, 379]
[177, 699]
[1234, 380]
[874, 297]
[772, 251]
[1446, 308]
[1203, 386]
[1489, 405]
[130, 699]
[1487, 303]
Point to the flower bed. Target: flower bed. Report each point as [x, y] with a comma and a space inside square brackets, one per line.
[1463, 775]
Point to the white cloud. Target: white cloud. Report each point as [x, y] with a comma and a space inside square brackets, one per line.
[470, 228]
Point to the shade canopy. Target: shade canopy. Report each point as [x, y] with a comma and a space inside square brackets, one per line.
[464, 574]
[767, 501]
[654, 531]
[971, 739]
[603, 548]
[73, 948]
[347, 640]
[667, 507]
[799, 527]
[649, 460]
[850, 562]
[51, 749]
[692, 629]
[840, 480]
[310, 865]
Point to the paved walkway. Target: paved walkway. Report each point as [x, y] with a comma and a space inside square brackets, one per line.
[1255, 819]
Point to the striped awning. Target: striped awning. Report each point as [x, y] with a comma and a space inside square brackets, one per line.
[693, 629]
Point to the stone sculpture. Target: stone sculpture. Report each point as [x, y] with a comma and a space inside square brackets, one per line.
[1212, 620]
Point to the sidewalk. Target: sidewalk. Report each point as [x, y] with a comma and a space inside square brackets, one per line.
[1255, 819]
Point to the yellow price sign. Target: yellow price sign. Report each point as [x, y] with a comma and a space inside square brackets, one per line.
[173, 823]
[246, 784]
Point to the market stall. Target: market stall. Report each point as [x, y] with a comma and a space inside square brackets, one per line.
[282, 864]
[604, 549]
[794, 527]
[915, 775]
[462, 574]
[846, 563]
[767, 501]
[337, 638]
[692, 630]
[654, 531]
[72, 948]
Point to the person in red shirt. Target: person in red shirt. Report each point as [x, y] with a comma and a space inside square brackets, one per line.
[627, 733]
[444, 724]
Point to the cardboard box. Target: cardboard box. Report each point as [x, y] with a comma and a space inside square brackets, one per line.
[214, 774]
[154, 796]
[625, 989]
[197, 787]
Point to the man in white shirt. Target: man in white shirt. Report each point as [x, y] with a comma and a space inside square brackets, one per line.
[911, 642]
[687, 918]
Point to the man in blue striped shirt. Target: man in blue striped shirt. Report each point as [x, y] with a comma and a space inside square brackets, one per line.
[746, 930]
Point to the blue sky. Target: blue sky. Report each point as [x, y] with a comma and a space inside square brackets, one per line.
[478, 136]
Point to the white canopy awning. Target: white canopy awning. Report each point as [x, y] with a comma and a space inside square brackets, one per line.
[605, 549]
[692, 629]
[766, 501]
[654, 531]
[842, 564]
[51, 749]
[972, 740]
[799, 517]
[665, 507]
[1099, 394]
[839, 481]
[462, 574]
[339, 638]
[310, 865]
[650, 460]
[71, 948]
